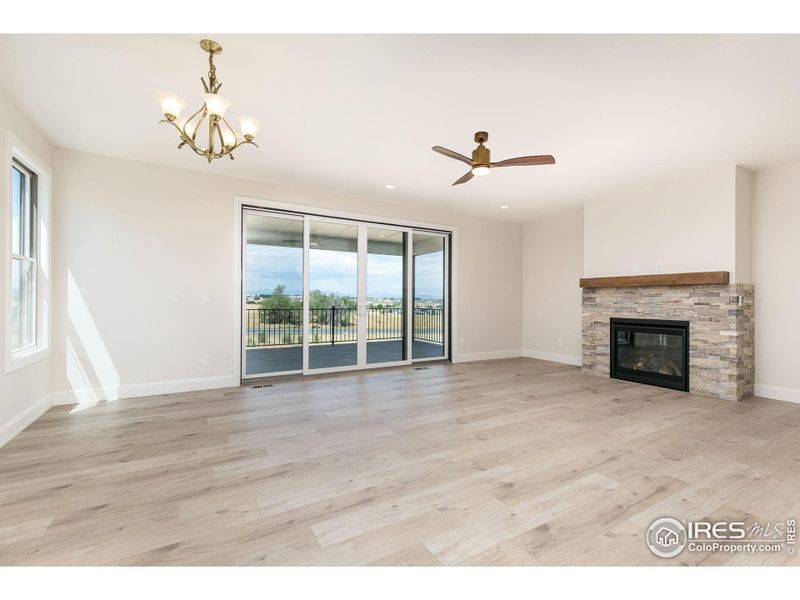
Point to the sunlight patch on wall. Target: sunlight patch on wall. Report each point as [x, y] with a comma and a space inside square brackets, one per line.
[88, 343]
[79, 382]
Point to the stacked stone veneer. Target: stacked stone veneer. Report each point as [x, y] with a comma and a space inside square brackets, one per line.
[721, 361]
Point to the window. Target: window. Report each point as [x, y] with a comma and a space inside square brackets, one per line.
[24, 254]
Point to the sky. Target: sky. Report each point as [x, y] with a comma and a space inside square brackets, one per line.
[333, 271]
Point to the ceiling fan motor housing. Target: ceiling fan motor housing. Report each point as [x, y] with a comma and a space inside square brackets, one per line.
[480, 156]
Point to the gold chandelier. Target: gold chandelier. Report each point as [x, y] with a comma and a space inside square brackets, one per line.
[211, 114]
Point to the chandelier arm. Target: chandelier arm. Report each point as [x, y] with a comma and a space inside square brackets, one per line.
[233, 133]
[202, 120]
[185, 140]
[181, 133]
[231, 149]
[198, 150]
[228, 125]
[219, 133]
[189, 120]
[210, 149]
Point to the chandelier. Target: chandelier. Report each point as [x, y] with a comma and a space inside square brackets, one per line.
[210, 118]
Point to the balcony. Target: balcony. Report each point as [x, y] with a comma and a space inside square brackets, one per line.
[275, 337]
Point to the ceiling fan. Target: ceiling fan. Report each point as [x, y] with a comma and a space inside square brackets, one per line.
[480, 163]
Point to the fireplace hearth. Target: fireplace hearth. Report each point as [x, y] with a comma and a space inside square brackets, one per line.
[655, 352]
[721, 357]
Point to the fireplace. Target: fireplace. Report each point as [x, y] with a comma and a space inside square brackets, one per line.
[651, 351]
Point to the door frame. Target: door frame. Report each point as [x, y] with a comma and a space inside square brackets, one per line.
[307, 370]
[302, 210]
[362, 330]
[407, 286]
[243, 296]
[448, 301]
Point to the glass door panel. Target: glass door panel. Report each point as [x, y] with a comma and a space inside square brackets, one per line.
[273, 291]
[386, 295]
[430, 281]
[333, 293]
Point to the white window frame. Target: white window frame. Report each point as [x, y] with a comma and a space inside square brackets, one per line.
[17, 151]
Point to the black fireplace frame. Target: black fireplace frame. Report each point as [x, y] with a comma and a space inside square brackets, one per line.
[650, 326]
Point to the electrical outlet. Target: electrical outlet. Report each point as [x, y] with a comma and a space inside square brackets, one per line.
[175, 296]
[635, 267]
[659, 268]
[560, 343]
[206, 360]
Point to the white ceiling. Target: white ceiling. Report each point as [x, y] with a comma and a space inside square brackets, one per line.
[350, 113]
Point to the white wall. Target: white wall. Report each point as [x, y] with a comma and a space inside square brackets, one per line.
[552, 263]
[24, 393]
[776, 276]
[127, 234]
[685, 222]
[743, 243]
[691, 221]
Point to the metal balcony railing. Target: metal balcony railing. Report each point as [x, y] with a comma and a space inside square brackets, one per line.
[284, 326]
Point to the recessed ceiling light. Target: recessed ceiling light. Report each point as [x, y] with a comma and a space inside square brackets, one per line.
[503, 207]
[389, 186]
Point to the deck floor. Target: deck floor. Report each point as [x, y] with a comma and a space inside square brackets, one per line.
[277, 360]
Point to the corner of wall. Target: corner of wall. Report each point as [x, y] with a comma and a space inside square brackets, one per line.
[743, 223]
[17, 423]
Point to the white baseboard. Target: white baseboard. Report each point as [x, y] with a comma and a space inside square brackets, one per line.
[492, 355]
[16, 424]
[567, 359]
[137, 390]
[777, 393]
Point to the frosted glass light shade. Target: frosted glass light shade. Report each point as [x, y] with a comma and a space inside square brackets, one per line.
[480, 171]
[249, 127]
[216, 104]
[171, 105]
[228, 137]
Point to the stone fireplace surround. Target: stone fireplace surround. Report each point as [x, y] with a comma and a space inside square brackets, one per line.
[721, 340]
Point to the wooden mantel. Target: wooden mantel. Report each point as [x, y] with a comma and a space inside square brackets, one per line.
[701, 278]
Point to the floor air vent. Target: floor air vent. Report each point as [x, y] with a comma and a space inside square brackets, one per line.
[261, 385]
[421, 368]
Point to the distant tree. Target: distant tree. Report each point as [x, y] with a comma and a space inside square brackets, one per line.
[321, 303]
[278, 305]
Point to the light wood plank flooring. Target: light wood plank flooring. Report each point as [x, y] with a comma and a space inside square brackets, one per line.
[509, 462]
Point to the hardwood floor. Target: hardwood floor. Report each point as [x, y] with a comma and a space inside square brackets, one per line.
[509, 462]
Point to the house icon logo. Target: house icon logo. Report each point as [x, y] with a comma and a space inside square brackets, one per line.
[666, 537]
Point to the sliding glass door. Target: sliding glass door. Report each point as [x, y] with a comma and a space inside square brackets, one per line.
[387, 295]
[272, 277]
[430, 332]
[332, 294]
[325, 294]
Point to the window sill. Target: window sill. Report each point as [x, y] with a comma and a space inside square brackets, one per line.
[15, 361]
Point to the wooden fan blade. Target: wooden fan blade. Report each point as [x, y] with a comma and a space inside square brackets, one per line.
[464, 179]
[522, 161]
[452, 154]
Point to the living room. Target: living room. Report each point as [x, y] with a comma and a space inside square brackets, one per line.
[437, 299]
